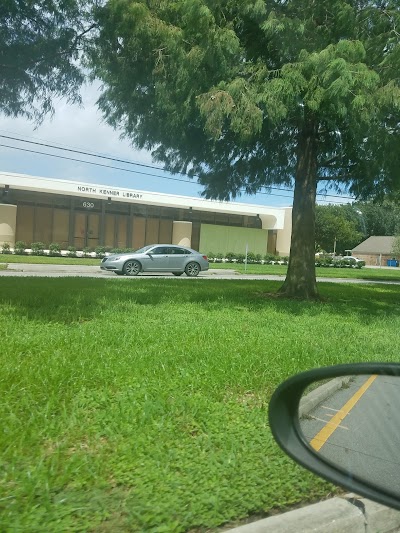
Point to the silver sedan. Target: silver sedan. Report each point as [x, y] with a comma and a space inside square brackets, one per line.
[157, 258]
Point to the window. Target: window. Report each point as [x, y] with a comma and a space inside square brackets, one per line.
[160, 250]
[179, 251]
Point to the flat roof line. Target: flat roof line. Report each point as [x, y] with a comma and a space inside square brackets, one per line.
[135, 196]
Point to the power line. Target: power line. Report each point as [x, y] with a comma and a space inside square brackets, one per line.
[82, 152]
[91, 163]
[93, 154]
[57, 156]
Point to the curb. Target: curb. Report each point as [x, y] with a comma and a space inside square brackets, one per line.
[350, 513]
[320, 394]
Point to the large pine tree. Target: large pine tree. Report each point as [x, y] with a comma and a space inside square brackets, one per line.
[249, 94]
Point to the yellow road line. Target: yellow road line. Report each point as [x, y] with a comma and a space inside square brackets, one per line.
[319, 440]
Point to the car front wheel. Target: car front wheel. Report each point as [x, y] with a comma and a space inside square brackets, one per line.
[132, 268]
[192, 269]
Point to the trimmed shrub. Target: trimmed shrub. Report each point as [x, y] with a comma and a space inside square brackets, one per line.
[54, 249]
[20, 247]
[230, 256]
[86, 251]
[268, 258]
[38, 248]
[71, 251]
[5, 248]
[100, 251]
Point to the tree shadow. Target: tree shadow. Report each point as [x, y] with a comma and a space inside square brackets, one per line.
[76, 300]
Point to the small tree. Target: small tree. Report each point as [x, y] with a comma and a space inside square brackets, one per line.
[332, 225]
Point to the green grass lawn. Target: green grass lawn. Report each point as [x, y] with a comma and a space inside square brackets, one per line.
[43, 260]
[378, 274]
[141, 405]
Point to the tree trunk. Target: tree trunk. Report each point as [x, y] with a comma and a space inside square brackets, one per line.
[300, 279]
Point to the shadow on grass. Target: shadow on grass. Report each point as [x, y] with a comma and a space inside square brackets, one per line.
[76, 300]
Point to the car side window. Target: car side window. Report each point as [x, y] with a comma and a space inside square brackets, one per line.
[160, 250]
[180, 251]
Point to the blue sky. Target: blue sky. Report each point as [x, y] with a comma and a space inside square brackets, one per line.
[82, 128]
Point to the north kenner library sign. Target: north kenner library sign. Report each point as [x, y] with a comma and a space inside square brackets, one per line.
[109, 192]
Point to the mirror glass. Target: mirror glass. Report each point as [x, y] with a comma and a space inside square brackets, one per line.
[354, 423]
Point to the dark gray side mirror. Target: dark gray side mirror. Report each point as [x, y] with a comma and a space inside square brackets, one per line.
[343, 424]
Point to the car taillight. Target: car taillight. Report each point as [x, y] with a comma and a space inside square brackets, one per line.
[205, 257]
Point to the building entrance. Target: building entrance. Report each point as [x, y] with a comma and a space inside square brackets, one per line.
[87, 226]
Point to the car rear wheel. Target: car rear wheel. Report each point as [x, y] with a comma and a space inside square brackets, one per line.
[177, 273]
[192, 269]
[132, 268]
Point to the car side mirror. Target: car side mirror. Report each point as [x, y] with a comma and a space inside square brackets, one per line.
[343, 424]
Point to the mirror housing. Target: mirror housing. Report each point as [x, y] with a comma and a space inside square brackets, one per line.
[285, 426]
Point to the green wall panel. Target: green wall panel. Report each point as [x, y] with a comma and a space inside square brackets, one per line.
[223, 239]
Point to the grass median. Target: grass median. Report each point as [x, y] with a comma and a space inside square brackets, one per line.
[141, 405]
[43, 260]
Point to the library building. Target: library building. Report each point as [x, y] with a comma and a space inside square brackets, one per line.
[86, 215]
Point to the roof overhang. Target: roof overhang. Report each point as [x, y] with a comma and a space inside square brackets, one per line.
[118, 194]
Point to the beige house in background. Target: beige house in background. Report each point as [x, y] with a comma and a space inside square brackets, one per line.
[73, 213]
[375, 250]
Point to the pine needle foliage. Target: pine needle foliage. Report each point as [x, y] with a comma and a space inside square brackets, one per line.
[41, 43]
[248, 94]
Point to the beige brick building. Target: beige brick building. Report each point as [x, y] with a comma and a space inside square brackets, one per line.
[375, 250]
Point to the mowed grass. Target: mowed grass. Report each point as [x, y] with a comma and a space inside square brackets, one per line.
[44, 260]
[377, 274]
[141, 404]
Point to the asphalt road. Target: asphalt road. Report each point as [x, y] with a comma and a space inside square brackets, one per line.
[57, 271]
[366, 441]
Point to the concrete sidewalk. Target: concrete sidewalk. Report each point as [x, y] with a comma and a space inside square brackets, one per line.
[336, 515]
